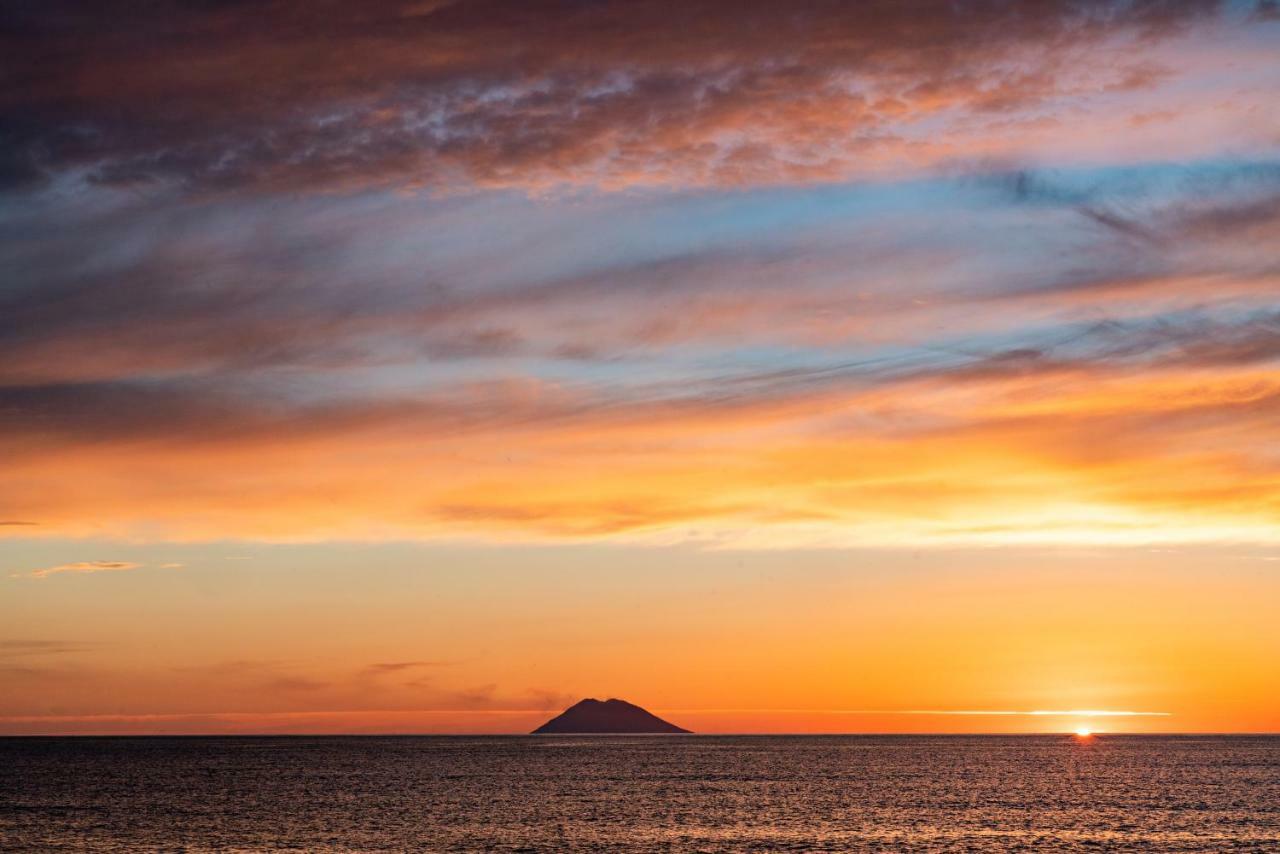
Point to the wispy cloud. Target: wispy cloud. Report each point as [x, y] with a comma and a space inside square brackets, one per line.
[21, 647]
[390, 667]
[875, 362]
[87, 566]
[614, 93]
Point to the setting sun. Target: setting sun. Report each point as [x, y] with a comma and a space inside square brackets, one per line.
[1083, 732]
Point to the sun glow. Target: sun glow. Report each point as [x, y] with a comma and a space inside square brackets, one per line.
[1084, 732]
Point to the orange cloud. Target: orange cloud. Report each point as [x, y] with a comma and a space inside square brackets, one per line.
[1044, 453]
[81, 567]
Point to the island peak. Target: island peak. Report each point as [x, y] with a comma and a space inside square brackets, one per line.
[592, 716]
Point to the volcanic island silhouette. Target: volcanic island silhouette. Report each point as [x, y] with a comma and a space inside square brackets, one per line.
[594, 717]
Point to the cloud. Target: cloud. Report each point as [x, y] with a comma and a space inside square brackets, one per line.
[1236, 203]
[353, 295]
[878, 325]
[290, 684]
[393, 721]
[20, 647]
[1163, 433]
[263, 688]
[88, 566]
[609, 93]
[81, 567]
[392, 667]
[1267, 10]
[201, 355]
[1145, 356]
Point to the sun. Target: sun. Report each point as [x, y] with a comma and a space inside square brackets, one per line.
[1083, 732]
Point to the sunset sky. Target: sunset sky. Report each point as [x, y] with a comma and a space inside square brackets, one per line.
[429, 365]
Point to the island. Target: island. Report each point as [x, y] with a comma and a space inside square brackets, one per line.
[594, 717]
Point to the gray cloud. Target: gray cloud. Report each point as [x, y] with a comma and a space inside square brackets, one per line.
[227, 96]
[1234, 201]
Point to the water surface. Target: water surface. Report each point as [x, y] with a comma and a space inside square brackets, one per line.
[637, 793]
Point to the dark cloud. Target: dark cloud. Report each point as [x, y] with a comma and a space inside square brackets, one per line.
[1194, 341]
[385, 667]
[183, 299]
[198, 300]
[1267, 10]
[38, 674]
[272, 297]
[233, 410]
[291, 94]
[228, 410]
[289, 684]
[9, 648]
[202, 301]
[1119, 224]
[1203, 203]
[1251, 218]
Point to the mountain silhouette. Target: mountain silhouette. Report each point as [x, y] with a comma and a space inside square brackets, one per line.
[610, 716]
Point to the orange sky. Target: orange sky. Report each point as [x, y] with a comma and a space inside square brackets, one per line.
[478, 639]
[778, 367]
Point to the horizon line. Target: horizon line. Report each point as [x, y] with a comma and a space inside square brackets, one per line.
[164, 716]
[725, 733]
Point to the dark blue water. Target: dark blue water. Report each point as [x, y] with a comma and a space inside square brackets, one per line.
[700, 793]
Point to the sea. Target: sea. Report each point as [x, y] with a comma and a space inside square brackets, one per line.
[641, 793]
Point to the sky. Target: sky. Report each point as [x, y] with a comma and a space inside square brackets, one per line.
[429, 365]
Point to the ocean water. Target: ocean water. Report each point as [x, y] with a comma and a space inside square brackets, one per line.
[637, 793]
